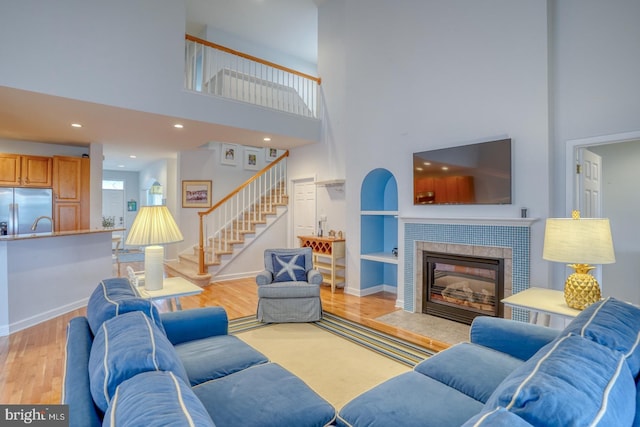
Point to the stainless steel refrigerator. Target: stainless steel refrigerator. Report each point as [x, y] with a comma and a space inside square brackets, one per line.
[20, 207]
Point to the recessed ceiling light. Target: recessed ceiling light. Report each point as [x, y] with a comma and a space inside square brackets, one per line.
[427, 163]
[133, 156]
[445, 168]
[266, 139]
[120, 166]
[178, 126]
[76, 125]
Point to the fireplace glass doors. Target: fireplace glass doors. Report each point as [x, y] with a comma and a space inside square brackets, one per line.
[460, 287]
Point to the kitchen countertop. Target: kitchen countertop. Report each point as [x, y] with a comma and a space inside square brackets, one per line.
[58, 234]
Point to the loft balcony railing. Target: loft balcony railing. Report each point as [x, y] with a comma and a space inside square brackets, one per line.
[220, 71]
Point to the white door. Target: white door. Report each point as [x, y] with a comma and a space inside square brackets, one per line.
[304, 209]
[589, 184]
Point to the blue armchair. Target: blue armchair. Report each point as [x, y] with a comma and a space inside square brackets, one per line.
[289, 287]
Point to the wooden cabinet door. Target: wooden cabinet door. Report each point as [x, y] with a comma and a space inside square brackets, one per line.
[67, 176]
[67, 216]
[36, 171]
[9, 170]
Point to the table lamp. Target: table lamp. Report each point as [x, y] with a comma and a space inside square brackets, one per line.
[153, 226]
[580, 242]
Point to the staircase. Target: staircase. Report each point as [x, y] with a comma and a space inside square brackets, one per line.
[237, 220]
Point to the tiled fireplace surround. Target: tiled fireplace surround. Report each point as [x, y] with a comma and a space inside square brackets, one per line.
[507, 239]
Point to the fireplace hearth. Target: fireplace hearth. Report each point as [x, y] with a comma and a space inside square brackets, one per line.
[462, 287]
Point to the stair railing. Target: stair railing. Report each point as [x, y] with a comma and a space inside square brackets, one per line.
[217, 70]
[235, 214]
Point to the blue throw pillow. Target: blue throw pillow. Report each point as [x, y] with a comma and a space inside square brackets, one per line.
[614, 324]
[113, 297]
[570, 381]
[125, 346]
[288, 268]
[153, 399]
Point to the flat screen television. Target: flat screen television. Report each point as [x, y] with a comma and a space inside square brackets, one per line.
[474, 174]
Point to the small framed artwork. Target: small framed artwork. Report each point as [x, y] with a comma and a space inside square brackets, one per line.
[229, 154]
[132, 206]
[270, 154]
[251, 158]
[196, 194]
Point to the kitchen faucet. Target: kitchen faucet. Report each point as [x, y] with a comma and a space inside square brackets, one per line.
[35, 223]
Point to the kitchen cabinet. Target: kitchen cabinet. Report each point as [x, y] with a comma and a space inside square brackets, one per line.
[71, 180]
[25, 171]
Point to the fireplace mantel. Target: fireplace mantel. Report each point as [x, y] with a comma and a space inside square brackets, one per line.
[512, 222]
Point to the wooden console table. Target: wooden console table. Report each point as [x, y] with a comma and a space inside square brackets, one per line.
[326, 251]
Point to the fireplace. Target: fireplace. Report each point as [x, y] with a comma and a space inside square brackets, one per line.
[462, 287]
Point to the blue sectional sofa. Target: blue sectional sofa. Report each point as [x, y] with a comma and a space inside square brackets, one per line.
[516, 374]
[126, 365]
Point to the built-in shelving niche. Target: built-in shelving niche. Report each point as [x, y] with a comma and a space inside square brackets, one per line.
[378, 230]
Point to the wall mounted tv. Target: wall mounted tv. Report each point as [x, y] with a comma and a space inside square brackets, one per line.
[474, 174]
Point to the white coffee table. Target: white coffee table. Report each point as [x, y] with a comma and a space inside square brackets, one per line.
[541, 300]
[172, 288]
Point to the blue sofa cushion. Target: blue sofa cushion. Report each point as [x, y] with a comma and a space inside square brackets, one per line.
[282, 398]
[484, 369]
[210, 358]
[113, 297]
[289, 268]
[498, 417]
[125, 346]
[614, 324]
[409, 400]
[153, 399]
[571, 381]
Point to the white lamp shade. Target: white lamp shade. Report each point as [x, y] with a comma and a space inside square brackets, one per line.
[154, 225]
[578, 241]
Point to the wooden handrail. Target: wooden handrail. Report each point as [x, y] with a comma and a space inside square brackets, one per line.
[251, 57]
[247, 182]
[202, 214]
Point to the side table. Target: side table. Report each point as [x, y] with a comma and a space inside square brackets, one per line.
[541, 300]
[172, 288]
[326, 252]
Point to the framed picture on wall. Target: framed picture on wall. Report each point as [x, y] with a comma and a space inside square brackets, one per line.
[229, 154]
[196, 194]
[270, 154]
[251, 158]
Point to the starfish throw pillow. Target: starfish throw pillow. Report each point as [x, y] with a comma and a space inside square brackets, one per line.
[288, 268]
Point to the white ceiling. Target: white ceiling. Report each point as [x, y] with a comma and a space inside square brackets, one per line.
[288, 26]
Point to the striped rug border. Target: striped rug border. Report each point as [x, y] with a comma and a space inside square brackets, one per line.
[397, 349]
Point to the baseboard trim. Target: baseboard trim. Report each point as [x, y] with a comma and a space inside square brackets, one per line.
[42, 317]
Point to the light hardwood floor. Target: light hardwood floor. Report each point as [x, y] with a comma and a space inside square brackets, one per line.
[32, 360]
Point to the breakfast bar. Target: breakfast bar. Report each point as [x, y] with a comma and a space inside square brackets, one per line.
[44, 275]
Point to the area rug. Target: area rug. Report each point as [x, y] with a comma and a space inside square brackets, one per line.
[337, 359]
[436, 328]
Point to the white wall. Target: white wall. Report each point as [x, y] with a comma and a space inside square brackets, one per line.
[447, 73]
[595, 90]
[41, 149]
[123, 53]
